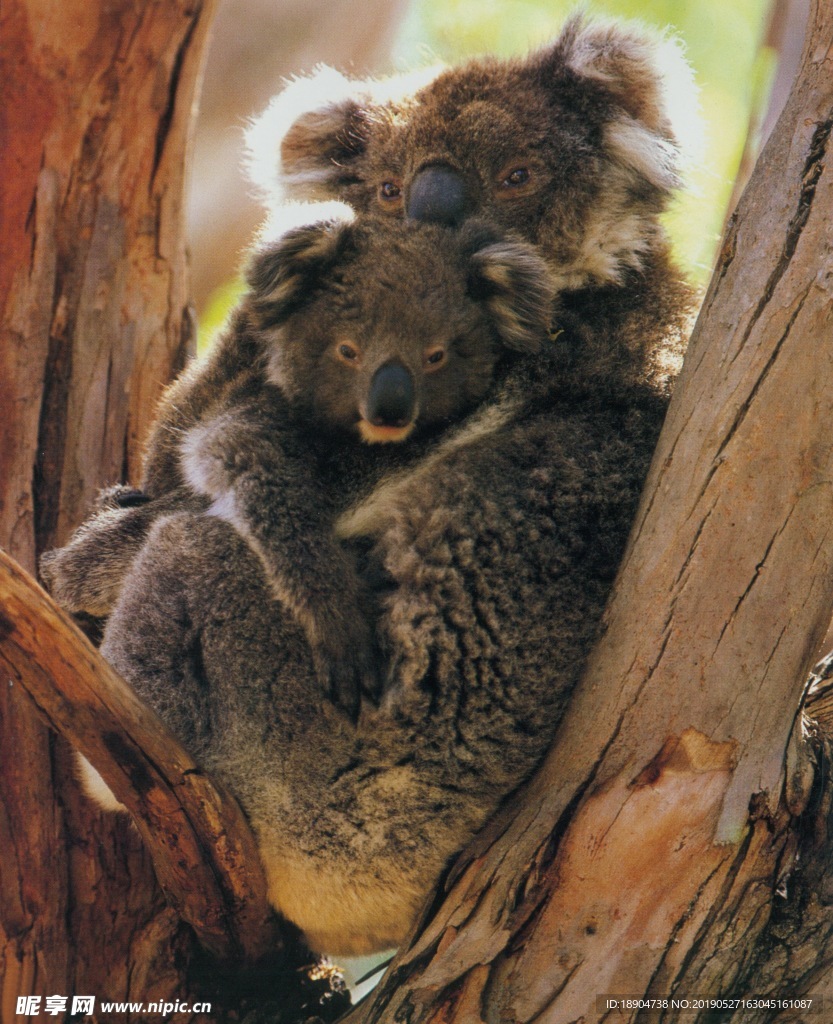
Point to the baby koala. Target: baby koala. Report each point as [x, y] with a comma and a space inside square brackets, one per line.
[357, 346]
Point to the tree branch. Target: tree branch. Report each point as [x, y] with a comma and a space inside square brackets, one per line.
[203, 851]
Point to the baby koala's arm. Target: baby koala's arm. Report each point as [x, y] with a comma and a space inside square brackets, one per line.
[87, 573]
[261, 479]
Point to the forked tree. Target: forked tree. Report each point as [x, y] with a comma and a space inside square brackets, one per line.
[673, 845]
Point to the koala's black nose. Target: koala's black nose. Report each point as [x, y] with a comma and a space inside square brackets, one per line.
[437, 194]
[391, 400]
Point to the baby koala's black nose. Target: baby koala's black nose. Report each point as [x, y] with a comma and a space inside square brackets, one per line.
[437, 194]
[392, 399]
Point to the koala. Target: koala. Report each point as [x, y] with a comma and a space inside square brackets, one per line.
[492, 535]
[495, 547]
[577, 147]
[324, 380]
[486, 548]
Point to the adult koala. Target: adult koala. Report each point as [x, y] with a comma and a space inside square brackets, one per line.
[576, 147]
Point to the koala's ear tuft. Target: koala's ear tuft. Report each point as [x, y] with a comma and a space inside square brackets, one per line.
[301, 146]
[283, 274]
[515, 285]
[306, 144]
[655, 124]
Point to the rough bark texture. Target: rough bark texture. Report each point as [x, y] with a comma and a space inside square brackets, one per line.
[97, 101]
[203, 852]
[656, 852]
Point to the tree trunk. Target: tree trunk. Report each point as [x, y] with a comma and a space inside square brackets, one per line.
[783, 38]
[96, 111]
[656, 852]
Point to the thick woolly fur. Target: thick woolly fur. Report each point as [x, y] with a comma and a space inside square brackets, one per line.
[471, 558]
[490, 559]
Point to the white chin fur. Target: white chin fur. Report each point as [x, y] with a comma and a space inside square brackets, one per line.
[383, 435]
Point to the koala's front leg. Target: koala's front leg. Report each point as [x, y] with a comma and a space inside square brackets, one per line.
[270, 496]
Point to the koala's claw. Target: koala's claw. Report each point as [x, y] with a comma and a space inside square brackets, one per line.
[122, 496]
[349, 671]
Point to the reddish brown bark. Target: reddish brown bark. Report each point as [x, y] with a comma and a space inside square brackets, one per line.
[93, 291]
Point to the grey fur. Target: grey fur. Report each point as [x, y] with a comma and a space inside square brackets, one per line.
[488, 556]
[497, 553]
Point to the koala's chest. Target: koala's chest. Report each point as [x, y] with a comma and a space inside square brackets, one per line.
[348, 473]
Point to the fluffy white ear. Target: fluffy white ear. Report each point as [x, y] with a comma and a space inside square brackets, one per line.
[657, 128]
[303, 144]
[293, 144]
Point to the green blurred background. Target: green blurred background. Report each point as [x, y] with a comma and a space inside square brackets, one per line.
[724, 42]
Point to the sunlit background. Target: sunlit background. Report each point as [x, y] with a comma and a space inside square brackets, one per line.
[735, 46]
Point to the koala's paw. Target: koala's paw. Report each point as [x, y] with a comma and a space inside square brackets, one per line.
[76, 583]
[87, 574]
[347, 660]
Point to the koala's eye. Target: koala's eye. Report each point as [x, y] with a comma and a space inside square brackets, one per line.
[434, 358]
[347, 353]
[389, 191]
[516, 177]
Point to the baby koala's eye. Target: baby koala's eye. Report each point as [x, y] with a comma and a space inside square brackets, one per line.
[516, 177]
[434, 357]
